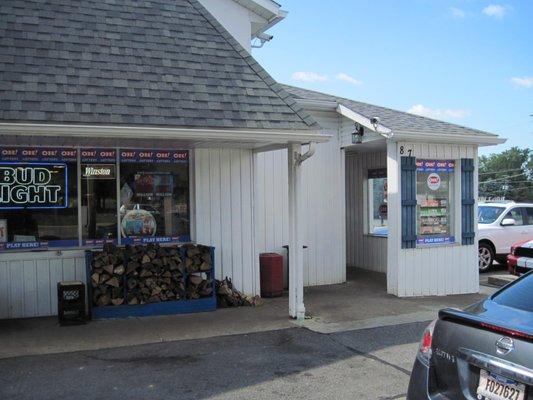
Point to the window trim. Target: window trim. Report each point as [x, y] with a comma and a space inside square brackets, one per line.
[456, 232]
[382, 172]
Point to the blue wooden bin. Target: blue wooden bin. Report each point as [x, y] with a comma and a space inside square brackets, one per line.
[183, 306]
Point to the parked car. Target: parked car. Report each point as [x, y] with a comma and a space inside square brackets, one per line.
[482, 352]
[500, 226]
[520, 261]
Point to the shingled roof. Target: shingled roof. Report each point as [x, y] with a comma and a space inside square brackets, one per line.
[398, 121]
[133, 62]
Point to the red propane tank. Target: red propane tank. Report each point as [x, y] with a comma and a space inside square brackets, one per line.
[271, 268]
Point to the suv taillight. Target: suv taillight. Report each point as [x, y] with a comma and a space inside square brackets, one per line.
[424, 351]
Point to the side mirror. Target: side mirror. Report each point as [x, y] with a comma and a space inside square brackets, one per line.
[508, 222]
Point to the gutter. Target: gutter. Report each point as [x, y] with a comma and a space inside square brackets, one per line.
[281, 15]
[237, 136]
[446, 137]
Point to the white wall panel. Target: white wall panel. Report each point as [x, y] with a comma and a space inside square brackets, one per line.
[235, 18]
[224, 212]
[28, 281]
[362, 250]
[430, 270]
[323, 200]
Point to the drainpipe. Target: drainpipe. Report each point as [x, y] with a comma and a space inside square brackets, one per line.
[296, 218]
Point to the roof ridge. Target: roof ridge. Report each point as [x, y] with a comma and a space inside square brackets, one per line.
[277, 88]
[389, 109]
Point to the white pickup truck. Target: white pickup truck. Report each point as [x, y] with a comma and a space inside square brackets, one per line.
[500, 225]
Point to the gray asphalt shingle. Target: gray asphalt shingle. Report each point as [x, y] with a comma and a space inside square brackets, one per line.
[148, 62]
[398, 121]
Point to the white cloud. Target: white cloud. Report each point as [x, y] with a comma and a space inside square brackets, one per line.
[457, 13]
[525, 81]
[438, 113]
[308, 76]
[495, 11]
[341, 76]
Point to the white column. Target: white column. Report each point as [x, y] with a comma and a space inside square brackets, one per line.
[393, 219]
[296, 287]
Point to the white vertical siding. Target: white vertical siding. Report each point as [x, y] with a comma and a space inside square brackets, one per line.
[362, 250]
[224, 215]
[323, 198]
[28, 281]
[432, 270]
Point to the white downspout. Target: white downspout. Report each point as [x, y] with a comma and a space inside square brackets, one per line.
[296, 217]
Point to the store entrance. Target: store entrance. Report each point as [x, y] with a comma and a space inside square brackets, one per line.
[366, 213]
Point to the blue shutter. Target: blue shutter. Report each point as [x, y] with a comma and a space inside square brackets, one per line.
[408, 188]
[467, 201]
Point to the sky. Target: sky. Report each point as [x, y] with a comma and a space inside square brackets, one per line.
[468, 62]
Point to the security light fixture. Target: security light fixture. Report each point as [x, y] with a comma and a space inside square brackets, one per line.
[357, 135]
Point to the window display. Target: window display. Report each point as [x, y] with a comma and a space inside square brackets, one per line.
[434, 195]
[125, 196]
[98, 196]
[377, 202]
[154, 196]
[38, 198]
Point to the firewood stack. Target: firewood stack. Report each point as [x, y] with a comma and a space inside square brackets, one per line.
[198, 264]
[154, 274]
[150, 274]
[228, 296]
[107, 277]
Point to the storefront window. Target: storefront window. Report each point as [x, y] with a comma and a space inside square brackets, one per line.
[98, 196]
[144, 198]
[435, 194]
[154, 196]
[38, 198]
[377, 202]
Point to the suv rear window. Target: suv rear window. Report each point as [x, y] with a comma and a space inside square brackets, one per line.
[519, 295]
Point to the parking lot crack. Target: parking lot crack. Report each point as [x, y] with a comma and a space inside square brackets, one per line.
[368, 355]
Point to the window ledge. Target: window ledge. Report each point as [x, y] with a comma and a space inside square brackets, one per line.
[375, 235]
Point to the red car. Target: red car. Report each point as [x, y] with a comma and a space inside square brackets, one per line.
[520, 261]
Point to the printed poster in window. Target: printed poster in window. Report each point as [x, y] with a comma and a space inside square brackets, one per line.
[150, 184]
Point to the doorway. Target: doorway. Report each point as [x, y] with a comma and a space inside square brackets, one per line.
[366, 212]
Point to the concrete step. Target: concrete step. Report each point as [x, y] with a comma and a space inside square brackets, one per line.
[501, 280]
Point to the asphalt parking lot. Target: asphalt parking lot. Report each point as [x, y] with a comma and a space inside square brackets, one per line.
[293, 363]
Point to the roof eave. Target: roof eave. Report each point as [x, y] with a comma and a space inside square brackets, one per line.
[237, 136]
[479, 139]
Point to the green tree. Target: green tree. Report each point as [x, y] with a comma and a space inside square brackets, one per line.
[507, 174]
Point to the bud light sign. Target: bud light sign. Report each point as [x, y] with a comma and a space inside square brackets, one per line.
[33, 185]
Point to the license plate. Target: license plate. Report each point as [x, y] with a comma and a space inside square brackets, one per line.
[495, 387]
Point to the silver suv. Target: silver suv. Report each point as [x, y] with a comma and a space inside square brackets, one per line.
[500, 225]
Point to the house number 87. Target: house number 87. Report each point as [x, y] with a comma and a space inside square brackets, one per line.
[402, 151]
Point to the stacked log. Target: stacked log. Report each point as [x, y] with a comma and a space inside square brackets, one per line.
[228, 296]
[107, 276]
[198, 264]
[151, 273]
[198, 258]
[154, 274]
